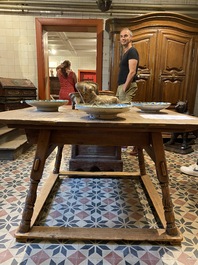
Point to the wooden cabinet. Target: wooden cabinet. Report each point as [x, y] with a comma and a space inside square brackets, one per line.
[54, 86]
[168, 48]
[14, 92]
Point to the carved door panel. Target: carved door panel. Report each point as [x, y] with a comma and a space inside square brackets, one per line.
[172, 66]
[145, 43]
[114, 62]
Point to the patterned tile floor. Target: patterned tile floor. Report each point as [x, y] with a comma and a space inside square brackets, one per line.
[98, 203]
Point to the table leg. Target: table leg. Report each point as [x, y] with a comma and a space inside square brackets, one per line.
[35, 177]
[162, 174]
[58, 159]
[141, 161]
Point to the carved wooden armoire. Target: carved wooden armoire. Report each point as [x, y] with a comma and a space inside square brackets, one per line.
[168, 47]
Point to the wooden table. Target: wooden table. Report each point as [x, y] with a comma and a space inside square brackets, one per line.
[51, 129]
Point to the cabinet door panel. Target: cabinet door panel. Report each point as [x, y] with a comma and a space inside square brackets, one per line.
[142, 92]
[171, 89]
[172, 66]
[145, 43]
[114, 62]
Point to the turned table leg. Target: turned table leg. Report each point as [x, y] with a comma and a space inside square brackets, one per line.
[35, 177]
[141, 161]
[162, 174]
[58, 159]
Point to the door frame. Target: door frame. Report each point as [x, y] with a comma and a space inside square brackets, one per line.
[61, 25]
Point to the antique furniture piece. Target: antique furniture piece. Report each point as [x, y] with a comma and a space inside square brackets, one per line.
[95, 158]
[14, 92]
[168, 47]
[179, 142]
[54, 87]
[87, 75]
[54, 129]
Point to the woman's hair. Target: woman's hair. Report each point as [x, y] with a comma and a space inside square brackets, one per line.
[64, 65]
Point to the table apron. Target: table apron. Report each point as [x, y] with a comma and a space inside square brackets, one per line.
[92, 137]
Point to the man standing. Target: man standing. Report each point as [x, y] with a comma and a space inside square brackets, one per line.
[127, 77]
[127, 85]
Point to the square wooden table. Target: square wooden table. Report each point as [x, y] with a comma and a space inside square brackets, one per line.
[49, 130]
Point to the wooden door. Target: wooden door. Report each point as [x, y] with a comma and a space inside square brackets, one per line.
[173, 65]
[145, 43]
[114, 62]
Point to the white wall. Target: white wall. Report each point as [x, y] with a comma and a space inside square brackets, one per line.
[18, 47]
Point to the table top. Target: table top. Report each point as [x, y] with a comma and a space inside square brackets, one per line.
[166, 120]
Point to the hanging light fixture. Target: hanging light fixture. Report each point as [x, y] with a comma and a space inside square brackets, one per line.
[104, 5]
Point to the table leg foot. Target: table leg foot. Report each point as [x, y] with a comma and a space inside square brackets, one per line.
[172, 231]
[24, 228]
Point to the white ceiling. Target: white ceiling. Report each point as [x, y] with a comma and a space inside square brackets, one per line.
[72, 43]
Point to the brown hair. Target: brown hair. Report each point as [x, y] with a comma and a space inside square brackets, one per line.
[64, 65]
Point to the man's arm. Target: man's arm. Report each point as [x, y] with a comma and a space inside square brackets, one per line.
[132, 72]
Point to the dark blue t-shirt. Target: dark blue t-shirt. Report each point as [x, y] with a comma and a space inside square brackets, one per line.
[132, 53]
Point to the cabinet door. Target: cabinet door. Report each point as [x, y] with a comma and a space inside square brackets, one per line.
[115, 56]
[172, 66]
[145, 43]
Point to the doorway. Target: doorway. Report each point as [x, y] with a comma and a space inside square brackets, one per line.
[45, 25]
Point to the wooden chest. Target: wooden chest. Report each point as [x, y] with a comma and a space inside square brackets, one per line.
[95, 158]
[13, 93]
